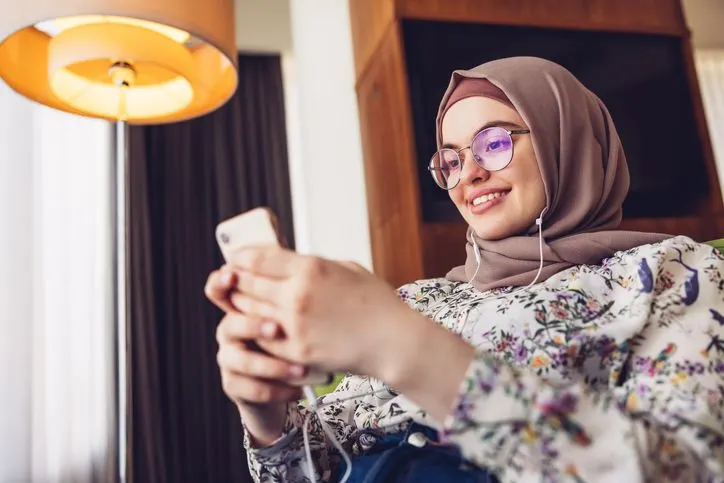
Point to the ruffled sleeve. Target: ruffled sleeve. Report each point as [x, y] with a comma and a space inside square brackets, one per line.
[661, 418]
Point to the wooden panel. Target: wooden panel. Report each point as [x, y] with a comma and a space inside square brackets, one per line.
[700, 228]
[391, 178]
[443, 247]
[646, 16]
[718, 228]
[370, 19]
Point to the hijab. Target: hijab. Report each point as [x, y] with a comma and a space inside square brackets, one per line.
[581, 162]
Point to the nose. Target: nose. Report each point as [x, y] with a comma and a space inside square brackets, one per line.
[472, 172]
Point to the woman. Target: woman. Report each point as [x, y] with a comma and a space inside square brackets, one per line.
[562, 350]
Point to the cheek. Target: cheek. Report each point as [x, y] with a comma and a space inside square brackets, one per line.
[526, 171]
[456, 195]
[529, 178]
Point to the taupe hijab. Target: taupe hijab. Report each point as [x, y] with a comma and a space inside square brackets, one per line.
[583, 167]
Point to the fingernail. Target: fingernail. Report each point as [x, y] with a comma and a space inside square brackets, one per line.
[296, 371]
[268, 329]
[225, 278]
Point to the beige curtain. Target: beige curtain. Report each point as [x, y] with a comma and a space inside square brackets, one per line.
[56, 366]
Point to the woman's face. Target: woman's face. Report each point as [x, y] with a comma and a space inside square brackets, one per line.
[517, 191]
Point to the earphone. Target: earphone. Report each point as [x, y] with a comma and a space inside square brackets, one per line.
[316, 407]
[539, 224]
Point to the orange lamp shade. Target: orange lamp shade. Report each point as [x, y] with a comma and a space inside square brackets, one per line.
[144, 62]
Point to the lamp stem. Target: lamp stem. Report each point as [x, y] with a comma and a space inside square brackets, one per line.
[120, 266]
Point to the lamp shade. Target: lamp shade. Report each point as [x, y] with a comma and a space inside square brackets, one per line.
[140, 61]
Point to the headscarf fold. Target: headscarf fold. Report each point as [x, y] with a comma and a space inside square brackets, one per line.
[582, 164]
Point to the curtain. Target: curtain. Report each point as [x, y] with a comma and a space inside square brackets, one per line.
[186, 178]
[56, 334]
[710, 70]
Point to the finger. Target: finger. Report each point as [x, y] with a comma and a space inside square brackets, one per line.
[238, 326]
[281, 349]
[218, 286]
[237, 359]
[253, 307]
[354, 266]
[272, 261]
[257, 390]
[262, 288]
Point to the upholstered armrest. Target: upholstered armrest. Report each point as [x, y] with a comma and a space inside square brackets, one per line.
[718, 244]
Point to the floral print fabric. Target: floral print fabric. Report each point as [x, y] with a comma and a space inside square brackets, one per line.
[600, 373]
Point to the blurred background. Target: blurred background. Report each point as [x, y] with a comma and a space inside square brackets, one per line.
[331, 124]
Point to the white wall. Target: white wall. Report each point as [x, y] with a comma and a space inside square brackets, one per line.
[706, 22]
[325, 153]
[263, 25]
[328, 188]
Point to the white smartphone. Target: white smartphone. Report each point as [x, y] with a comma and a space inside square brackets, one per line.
[258, 227]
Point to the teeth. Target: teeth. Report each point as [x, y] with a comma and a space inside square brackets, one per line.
[482, 199]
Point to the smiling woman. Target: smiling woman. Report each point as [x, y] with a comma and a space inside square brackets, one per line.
[564, 348]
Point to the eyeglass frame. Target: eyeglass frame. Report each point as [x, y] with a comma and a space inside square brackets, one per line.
[457, 152]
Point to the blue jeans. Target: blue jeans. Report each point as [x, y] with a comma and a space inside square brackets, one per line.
[394, 460]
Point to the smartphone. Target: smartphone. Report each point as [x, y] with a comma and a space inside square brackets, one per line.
[258, 227]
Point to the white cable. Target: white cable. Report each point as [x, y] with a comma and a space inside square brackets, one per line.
[315, 408]
[477, 257]
[539, 222]
[312, 397]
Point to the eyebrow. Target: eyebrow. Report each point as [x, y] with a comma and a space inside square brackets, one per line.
[506, 124]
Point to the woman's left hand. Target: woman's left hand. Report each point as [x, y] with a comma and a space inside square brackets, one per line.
[335, 316]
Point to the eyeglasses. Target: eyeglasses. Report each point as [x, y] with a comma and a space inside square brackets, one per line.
[492, 150]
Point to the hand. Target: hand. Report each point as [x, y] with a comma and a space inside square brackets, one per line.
[335, 316]
[253, 380]
[338, 316]
[248, 375]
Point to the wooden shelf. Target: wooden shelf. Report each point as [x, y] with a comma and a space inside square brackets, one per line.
[408, 242]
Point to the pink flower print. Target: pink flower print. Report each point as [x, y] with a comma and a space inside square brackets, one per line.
[566, 404]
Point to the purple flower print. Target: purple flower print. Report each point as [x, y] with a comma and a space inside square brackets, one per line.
[521, 353]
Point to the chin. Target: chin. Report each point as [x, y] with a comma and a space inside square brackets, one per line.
[498, 225]
[489, 235]
[490, 230]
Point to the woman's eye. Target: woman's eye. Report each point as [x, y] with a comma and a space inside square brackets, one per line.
[451, 164]
[495, 145]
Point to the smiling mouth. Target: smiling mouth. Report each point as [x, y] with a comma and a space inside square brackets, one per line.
[480, 200]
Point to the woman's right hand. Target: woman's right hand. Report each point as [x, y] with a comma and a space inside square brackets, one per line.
[253, 380]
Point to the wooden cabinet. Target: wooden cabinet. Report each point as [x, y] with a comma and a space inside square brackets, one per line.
[635, 54]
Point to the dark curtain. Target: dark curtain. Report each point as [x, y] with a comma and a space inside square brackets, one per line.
[185, 178]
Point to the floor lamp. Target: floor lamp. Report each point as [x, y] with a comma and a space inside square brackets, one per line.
[128, 62]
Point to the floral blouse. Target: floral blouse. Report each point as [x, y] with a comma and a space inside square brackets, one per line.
[600, 373]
